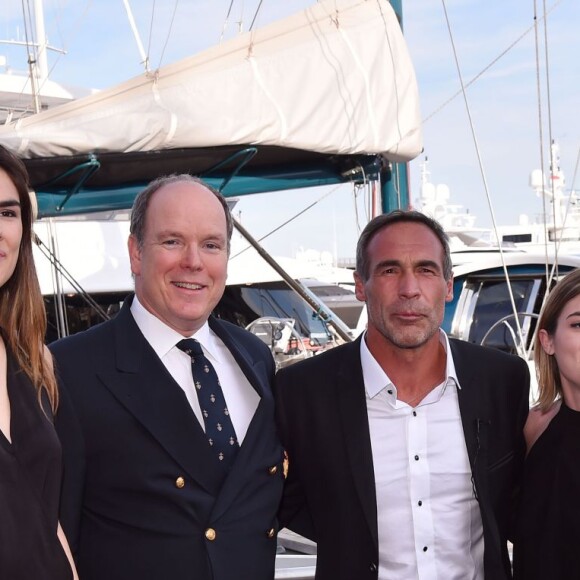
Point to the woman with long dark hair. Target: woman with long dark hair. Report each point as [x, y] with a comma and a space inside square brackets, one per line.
[547, 539]
[32, 544]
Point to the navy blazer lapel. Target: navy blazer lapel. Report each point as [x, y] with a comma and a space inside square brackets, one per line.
[352, 405]
[142, 384]
[253, 369]
[255, 372]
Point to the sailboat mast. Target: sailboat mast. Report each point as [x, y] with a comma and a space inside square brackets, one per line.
[395, 178]
[41, 43]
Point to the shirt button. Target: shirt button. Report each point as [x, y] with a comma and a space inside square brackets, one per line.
[373, 567]
[424, 548]
[210, 534]
[273, 470]
[416, 458]
[419, 503]
[390, 391]
[180, 482]
[414, 413]
[271, 533]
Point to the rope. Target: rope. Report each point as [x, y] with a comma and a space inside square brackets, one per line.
[295, 216]
[168, 33]
[521, 346]
[255, 15]
[541, 135]
[553, 271]
[485, 69]
[550, 139]
[76, 28]
[226, 21]
[148, 54]
[31, 53]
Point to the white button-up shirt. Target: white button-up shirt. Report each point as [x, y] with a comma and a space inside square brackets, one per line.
[429, 522]
[241, 398]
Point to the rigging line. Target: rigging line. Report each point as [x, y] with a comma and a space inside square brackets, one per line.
[168, 33]
[550, 139]
[521, 347]
[575, 171]
[552, 272]
[289, 220]
[240, 22]
[357, 189]
[150, 39]
[60, 53]
[30, 53]
[57, 264]
[490, 65]
[133, 25]
[76, 28]
[255, 15]
[58, 296]
[541, 139]
[366, 201]
[226, 21]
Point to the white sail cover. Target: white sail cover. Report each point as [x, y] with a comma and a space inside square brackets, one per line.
[334, 78]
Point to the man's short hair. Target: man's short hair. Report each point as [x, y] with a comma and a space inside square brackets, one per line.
[385, 220]
[141, 204]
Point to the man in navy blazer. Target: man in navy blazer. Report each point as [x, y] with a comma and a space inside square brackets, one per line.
[405, 447]
[144, 496]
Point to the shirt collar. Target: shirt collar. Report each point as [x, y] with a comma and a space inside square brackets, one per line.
[376, 379]
[162, 338]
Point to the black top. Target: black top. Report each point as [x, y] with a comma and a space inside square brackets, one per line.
[547, 541]
[30, 472]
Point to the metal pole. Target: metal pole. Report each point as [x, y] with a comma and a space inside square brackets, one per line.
[395, 183]
[311, 299]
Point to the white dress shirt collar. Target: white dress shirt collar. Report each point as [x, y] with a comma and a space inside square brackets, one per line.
[162, 338]
[241, 397]
[376, 379]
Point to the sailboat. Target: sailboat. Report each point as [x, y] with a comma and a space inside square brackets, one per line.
[235, 115]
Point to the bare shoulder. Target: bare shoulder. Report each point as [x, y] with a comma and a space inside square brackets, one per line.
[538, 422]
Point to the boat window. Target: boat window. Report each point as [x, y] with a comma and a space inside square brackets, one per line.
[244, 304]
[517, 238]
[487, 302]
[330, 290]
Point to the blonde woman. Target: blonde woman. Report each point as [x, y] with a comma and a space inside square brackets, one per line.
[32, 544]
[547, 538]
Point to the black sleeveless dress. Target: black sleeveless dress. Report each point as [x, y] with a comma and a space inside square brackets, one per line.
[30, 472]
[547, 539]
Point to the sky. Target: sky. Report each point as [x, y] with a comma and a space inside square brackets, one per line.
[502, 103]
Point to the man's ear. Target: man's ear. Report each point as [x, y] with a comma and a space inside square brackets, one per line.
[449, 295]
[134, 255]
[359, 288]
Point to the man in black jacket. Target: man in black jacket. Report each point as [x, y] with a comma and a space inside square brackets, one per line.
[405, 447]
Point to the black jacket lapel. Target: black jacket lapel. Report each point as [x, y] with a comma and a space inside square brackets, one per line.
[474, 407]
[357, 440]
